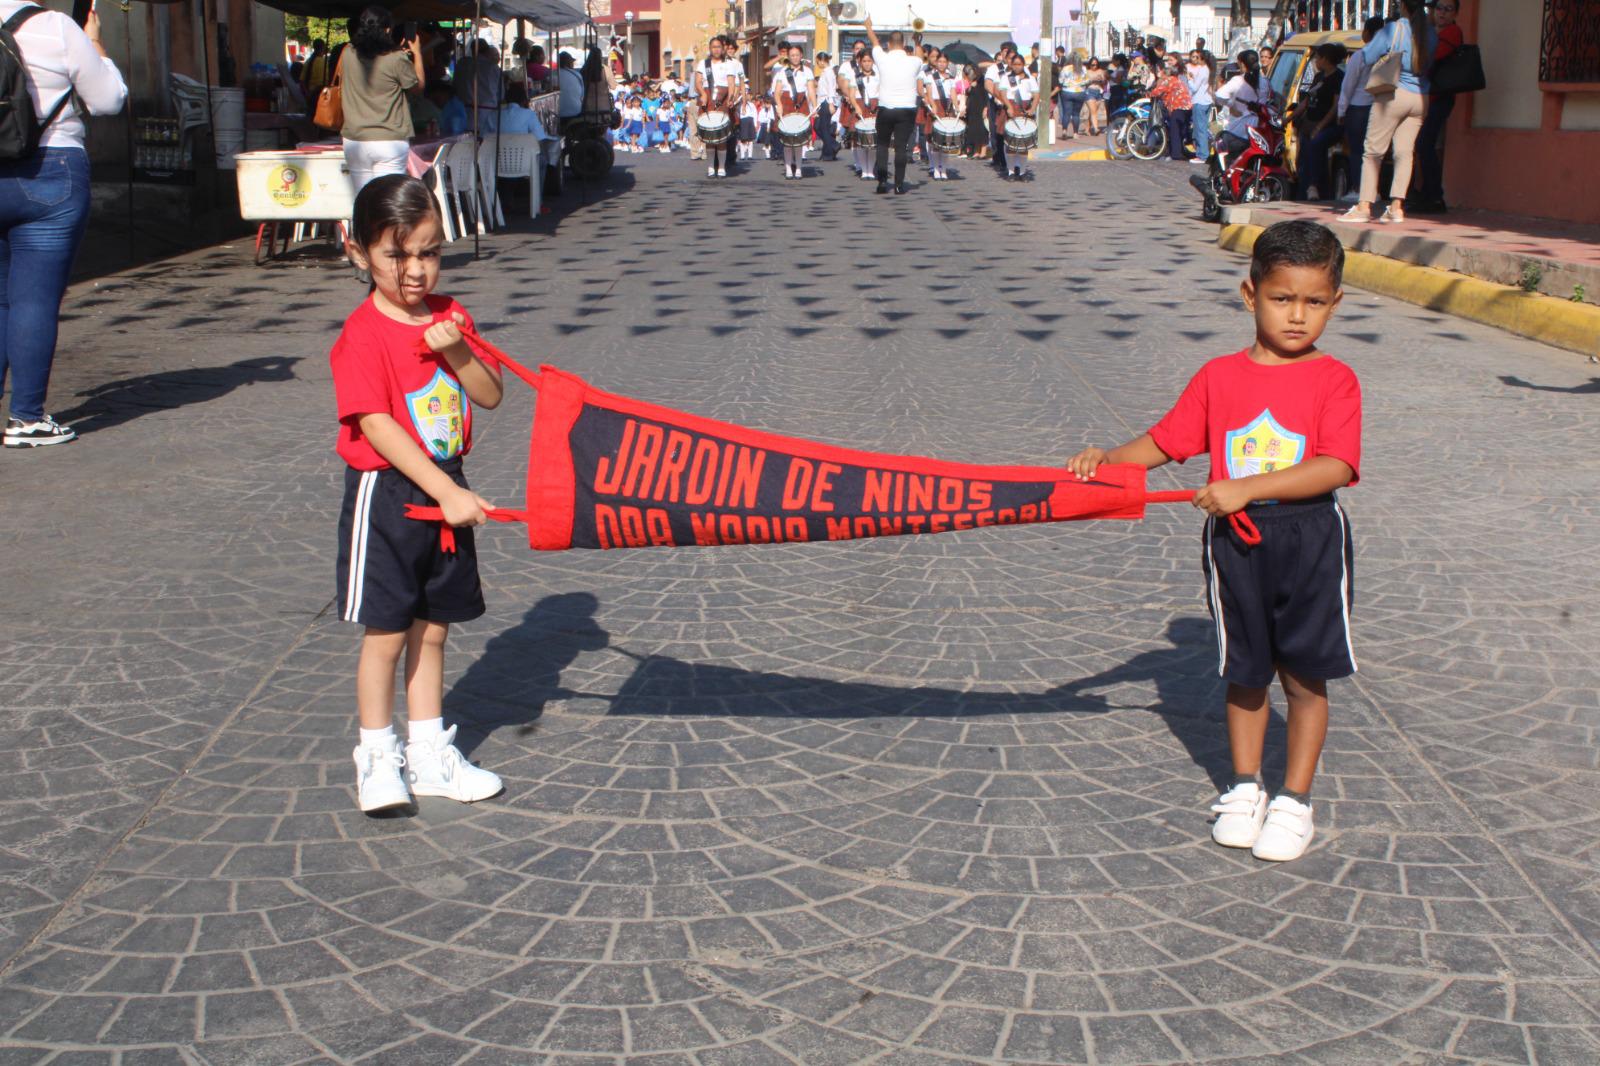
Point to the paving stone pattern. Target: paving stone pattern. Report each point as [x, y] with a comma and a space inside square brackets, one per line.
[906, 801]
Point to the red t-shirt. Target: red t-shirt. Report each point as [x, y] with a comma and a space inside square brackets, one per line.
[1254, 419]
[381, 366]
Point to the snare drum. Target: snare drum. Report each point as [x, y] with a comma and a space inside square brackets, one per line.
[866, 132]
[715, 128]
[1021, 134]
[948, 134]
[794, 130]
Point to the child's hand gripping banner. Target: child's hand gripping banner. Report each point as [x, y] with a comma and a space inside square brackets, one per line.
[606, 471]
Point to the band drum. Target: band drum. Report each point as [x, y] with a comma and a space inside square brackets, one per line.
[866, 133]
[794, 130]
[715, 128]
[1022, 134]
[948, 134]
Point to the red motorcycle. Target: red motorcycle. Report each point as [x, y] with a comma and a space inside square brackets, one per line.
[1252, 174]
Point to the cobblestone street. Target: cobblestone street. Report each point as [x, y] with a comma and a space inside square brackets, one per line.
[909, 801]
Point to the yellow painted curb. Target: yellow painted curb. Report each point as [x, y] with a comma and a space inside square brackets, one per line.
[1562, 323]
[1090, 153]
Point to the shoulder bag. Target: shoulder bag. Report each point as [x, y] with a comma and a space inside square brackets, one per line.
[329, 114]
[1459, 72]
[1384, 77]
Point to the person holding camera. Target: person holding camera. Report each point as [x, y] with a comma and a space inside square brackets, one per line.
[375, 82]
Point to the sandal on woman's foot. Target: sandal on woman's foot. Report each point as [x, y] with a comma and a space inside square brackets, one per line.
[1357, 214]
[1393, 214]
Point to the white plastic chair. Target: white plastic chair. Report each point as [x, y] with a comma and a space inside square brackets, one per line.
[437, 178]
[461, 161]
[488, 189]
[520, 158]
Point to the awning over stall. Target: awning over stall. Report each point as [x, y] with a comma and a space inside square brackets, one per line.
[544, 14]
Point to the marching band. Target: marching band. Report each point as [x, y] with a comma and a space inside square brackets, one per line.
[827, 104]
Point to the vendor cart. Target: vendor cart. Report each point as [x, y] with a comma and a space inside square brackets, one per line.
[295, 187]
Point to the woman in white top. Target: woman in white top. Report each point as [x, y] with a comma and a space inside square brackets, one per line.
[1355, 107]
[1243, 93]
[1019, 88]
[44, 204]
[939, 92]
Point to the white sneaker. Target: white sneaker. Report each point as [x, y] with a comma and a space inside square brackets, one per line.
[379, 782]
[40, 434]
[711, 172]
[1287, 832]
[1240, 812]
[721, 173]
[437, 768]
[1350, 198]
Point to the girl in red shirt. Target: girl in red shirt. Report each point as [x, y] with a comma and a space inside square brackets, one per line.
[405, 381]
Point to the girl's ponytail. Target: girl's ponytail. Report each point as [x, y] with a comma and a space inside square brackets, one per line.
[1250, 60]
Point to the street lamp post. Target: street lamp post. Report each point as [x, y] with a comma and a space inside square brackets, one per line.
[1047, 54]
[627, 65]
[835, 12]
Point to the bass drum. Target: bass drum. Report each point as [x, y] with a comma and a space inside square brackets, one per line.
[865, 134]
[948, 134]
[715, 128]
[1022, 134]
[794, 130]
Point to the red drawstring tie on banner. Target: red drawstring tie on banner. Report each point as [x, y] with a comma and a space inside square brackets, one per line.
[1243, 527]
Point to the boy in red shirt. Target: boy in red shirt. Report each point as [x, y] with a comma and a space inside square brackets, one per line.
[405, 382]
[1281, 422]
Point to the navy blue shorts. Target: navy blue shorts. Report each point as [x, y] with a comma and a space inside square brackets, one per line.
[391, 571]
[1286, 602]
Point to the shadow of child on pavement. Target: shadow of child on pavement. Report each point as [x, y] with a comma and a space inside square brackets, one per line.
[519, 672]
[520, 669]
[116, 402]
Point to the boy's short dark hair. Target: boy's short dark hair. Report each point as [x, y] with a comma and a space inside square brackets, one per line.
[1333, 52]
[1297, 243]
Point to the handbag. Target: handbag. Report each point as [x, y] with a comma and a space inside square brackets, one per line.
[1384, 77]
[329, 114]
[1459, 72]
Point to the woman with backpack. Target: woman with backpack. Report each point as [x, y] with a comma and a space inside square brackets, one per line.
[63, 74]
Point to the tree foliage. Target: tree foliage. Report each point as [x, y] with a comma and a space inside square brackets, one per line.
[305, 29]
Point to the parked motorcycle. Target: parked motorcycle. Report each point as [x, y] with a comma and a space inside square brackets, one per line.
[1255, 174]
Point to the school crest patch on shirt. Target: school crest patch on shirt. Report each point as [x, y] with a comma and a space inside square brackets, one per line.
[437, 412]
[1262, 446]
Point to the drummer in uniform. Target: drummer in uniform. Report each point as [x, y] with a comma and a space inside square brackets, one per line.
[993, 78]
[796, 93]
[716, 86]
[843, 75]
[938, 87]
[861, 102]
[1018, 89]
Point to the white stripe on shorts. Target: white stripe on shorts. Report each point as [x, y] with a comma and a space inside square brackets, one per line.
[359, 522]
[1344, 584]
[1216, 599]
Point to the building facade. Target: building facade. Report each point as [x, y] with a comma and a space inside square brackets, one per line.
[1530, 142]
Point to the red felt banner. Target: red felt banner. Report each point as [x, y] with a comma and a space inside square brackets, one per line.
[607, 471]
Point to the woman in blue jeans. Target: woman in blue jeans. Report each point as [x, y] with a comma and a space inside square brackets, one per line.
[44, 203]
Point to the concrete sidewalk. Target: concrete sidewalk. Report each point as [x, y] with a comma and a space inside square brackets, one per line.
[1535, 277]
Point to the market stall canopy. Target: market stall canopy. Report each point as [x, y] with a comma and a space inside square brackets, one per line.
[544, 14]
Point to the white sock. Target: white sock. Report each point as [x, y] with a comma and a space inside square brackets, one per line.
[425, 729]
[378, 738]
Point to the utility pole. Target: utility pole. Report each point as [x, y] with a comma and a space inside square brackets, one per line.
[1047, 55]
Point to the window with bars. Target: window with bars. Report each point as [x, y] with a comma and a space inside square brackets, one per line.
[1569, 44]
